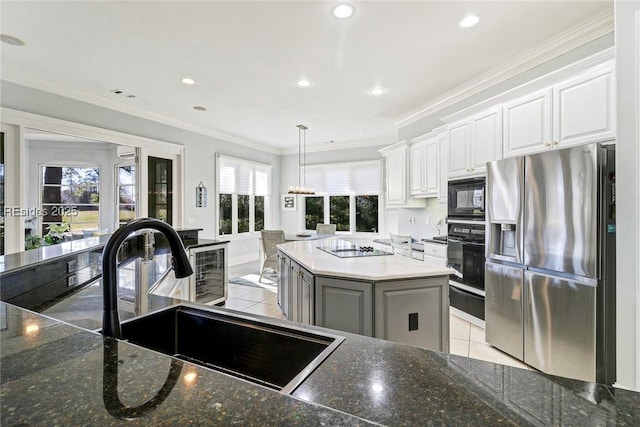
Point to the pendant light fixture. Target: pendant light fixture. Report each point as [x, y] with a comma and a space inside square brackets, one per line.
[301, 188]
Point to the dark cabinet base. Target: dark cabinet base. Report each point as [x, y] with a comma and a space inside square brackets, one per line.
[467, 302]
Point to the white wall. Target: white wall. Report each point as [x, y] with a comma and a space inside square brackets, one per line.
[199, 154]
[627, 28]
[421, 223]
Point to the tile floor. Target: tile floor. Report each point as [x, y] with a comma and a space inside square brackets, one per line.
[465, 338]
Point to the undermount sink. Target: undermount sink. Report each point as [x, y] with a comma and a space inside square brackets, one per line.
[275, 356]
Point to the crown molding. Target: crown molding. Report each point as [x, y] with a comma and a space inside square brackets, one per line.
[14, 76]
[595, 27]
[377, 142]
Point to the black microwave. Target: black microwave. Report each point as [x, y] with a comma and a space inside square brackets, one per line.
[466, 199]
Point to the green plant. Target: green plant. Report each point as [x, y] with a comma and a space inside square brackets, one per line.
[32, 242]
[55, 233]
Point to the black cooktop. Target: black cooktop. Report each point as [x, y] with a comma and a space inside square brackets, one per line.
[344, 249]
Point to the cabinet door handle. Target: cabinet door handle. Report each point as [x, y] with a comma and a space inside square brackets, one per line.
[554, 142]
[547, 144]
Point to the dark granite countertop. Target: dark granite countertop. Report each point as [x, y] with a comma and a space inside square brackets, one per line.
[28, 259]
[53, 373]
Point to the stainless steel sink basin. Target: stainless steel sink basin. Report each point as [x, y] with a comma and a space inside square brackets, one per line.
[276, 356]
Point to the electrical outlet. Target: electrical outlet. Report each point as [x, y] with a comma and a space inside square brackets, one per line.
[428, 220]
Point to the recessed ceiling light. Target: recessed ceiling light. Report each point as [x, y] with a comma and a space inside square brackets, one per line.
[343, 10]
[14, 41]
[199, 108]
[377, 91]
[469, 21]
[188, 81]
[304, 83]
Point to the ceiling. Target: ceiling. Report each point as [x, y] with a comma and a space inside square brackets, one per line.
[246, 58]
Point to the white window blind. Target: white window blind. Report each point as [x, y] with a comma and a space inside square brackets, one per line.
[238, 176]
[346, 178]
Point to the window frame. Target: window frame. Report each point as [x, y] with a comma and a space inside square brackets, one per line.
[41, 185]
[268, 169]
[352, 212]
[136, 208]
[352, 188]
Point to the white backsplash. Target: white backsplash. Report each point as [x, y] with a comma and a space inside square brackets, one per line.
[421, 223]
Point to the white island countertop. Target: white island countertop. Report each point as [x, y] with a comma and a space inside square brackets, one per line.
[369, 268]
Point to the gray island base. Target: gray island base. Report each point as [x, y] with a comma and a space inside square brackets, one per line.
[391, 297]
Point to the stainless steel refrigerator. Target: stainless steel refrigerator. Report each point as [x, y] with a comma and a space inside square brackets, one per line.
[550, 269]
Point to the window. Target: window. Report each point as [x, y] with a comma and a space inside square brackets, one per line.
[258, 213]
[243, 201]
[347, 196]
[126, 176]
[339, 212]
[314, 211]
[70, 195]
[367, 214]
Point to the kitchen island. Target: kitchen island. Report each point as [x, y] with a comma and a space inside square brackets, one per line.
[55, 373]
[359, 289]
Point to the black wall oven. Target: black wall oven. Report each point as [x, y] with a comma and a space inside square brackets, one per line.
[466, 255]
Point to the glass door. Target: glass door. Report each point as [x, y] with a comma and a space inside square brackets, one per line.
[160, 196]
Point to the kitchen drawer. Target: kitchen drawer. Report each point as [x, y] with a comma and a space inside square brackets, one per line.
[435, 252]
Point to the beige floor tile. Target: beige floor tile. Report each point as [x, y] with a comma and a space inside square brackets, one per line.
[453, 319]
[483, 351]
[459, 347]
[459, 330]
[263, 309]
[257, 295]
[477, 334]
[234, 291]
[238, 304]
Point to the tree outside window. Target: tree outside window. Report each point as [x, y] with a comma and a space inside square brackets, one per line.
[313, 211]
[226, 215]
[367, 214]
[243, 213]
[126, 193]
[339, 212]
[359, 212]
[258, 213]
[70, 195]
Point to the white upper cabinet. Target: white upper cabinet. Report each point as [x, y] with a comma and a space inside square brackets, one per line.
[396, 168]
[396, 176]
[486, 139]
[473, 142]
[527, 123]
[443, 144]
[576, 111]
[424, 167]
[459, 146]
[584, 108]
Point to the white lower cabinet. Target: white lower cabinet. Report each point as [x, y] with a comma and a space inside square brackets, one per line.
[435, 253]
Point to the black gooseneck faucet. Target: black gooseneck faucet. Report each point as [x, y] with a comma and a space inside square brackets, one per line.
[179, 262]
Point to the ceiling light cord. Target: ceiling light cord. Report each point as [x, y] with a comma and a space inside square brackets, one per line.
[302, 188]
